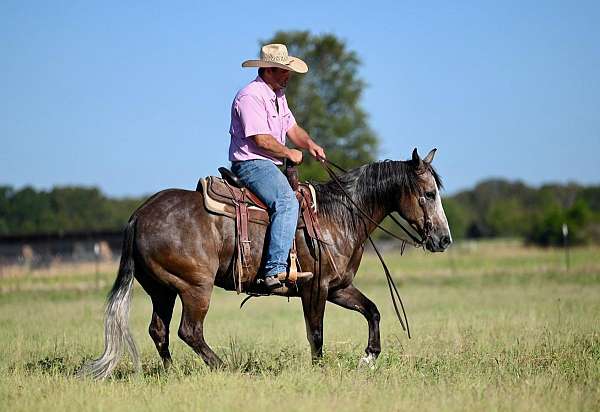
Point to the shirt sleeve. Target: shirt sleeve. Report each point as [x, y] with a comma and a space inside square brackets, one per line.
[253, 115]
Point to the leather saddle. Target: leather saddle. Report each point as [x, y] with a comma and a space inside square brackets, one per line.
[227, 196]
[222, 196]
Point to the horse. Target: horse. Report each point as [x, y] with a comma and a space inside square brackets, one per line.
[174, 247]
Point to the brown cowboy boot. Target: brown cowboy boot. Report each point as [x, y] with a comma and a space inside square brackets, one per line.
[276, 282]
[272, 283]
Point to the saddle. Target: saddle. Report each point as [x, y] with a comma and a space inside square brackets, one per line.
[227, 196]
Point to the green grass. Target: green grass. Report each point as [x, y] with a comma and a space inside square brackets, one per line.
[496, 326]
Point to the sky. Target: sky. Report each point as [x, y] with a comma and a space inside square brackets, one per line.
[134, 97]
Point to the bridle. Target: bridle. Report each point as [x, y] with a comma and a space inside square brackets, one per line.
[427, 222]
[424, 232]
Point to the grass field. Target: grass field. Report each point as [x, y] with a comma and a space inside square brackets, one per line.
[496, 326]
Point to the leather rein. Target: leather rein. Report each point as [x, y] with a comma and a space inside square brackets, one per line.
[425, 233]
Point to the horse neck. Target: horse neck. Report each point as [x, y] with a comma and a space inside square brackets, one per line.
[374, 199]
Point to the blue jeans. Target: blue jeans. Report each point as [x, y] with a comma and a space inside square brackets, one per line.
[265, 180]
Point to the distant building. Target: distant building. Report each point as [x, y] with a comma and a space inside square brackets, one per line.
[42, 249]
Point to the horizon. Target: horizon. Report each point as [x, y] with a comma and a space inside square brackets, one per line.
[444, 190]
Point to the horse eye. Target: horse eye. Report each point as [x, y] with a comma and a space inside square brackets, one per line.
[430, 195]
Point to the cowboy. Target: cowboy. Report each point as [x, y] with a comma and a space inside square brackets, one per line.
[260, 122]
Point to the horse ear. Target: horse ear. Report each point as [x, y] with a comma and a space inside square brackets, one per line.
[429, 158]
[417, 162]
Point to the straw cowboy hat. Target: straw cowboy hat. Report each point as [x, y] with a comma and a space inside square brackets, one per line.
[276, 55]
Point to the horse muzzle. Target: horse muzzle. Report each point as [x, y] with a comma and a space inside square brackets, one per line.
[438, 243]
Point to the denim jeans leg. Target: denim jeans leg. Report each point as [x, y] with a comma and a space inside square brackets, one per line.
[264, 179]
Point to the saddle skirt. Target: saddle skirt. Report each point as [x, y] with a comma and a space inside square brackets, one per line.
[222, 198]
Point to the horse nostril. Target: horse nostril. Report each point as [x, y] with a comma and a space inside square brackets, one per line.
[445, 241]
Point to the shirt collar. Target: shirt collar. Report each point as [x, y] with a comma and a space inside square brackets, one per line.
[270, 91]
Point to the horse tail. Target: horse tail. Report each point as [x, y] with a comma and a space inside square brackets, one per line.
[116, 320]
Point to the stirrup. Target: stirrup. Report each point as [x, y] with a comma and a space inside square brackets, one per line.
[294, 277]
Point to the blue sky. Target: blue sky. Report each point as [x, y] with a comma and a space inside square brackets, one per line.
[134, 97]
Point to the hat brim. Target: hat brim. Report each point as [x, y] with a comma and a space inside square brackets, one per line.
[295, 64]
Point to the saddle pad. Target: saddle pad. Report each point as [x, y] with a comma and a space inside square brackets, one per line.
[223, 206]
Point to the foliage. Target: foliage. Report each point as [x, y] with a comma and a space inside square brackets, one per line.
[326, 100]
[458, 218]
[61, 209]
[547, 228]
[499, 208]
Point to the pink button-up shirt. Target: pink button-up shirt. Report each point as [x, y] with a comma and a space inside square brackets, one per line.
[253, 112]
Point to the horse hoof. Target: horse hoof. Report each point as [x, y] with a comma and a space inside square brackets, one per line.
[367, 361]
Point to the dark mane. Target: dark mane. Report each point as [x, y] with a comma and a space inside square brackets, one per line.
[372, 186]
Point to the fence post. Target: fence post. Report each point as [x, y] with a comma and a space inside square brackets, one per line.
[97, 263]
[565, 233]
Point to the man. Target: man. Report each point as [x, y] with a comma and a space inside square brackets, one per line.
[260, 122]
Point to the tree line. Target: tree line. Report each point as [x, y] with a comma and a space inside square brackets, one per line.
[500, 208]
[62, 209]
[493, 208]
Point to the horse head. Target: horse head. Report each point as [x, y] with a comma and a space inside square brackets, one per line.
[422, 207]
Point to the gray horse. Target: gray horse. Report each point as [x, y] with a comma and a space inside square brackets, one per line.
[174, 247]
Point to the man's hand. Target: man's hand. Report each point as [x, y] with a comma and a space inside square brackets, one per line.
[301, 139]
[295, 156]
[317, 151]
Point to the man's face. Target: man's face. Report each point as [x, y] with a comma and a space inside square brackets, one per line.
[279, 77]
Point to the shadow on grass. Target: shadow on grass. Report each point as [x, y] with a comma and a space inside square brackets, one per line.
[49, 365]
[237, 359]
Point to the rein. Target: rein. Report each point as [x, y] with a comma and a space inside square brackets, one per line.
[427, 227]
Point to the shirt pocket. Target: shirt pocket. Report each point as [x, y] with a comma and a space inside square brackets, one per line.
[275, 123]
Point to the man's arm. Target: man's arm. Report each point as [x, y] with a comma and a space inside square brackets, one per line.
[301, 139]
[276, 149]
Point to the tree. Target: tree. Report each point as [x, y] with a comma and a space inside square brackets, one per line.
[457, 216]
[77, 208]
[508, 217]
[63, 209]
[6, 192]
[326, 100]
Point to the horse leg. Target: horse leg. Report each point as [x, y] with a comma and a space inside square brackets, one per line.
[196, 300]
[353, 299]
[313, 305]
[162, 312]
